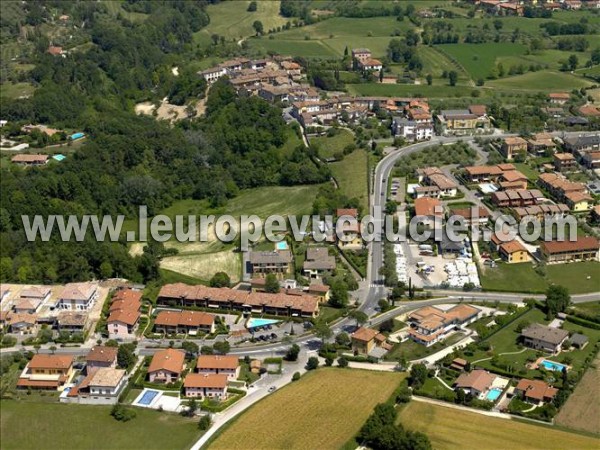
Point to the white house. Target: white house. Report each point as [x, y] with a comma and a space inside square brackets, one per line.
[77, 296]
[101, 387]
[412, 130]
[219, 364]
[206, 385]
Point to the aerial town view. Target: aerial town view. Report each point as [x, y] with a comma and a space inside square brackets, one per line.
[300, 224]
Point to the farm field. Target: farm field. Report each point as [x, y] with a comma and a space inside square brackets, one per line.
[573, 276]
[230, 19]
[59, 426]
[351, 175]
[582, 409]
[307, 49]
[410, 90]
[541, 81]
[449, 429]
[329, 146]
[480, 59]
[322, 411]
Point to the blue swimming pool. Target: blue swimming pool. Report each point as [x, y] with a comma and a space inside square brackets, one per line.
[551, 365]
[253, 323]
[493, 394]
[76, 136]
[281, 245]
[148, 397]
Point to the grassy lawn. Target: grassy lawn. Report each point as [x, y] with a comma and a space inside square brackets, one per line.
[412, 350]
[59, 426]
[323, 410]
[351, 175]
[582, 409]
[329, 146]
[541, 81]
[412, 90]
[454, 429]
[307, 49]
[480, 59]
[329, 314]
[573, 276]
[526, 170]
[592, 308]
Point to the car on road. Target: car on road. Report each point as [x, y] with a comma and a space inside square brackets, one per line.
[272, 389]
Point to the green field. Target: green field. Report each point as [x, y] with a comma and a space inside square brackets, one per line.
[351, 176]
[541, 81]
[328, 146]
[28, 425]
[573, 276]
[323, 410]
[411, 90]
[449, 429]
[16, 90]
[230, 19]
[480, 59]
[307, 49]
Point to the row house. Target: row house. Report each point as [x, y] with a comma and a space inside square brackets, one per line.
[583, 249]
[487, 174]
[184, 322]
[471, 216]
[572, 193]
[277, 261]
[516, 198]
[512, 179]
[286, 304]
[541, 212]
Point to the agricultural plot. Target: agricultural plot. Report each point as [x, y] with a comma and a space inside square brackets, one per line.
[449, 428]
[541, 81]
[329, 146]
[480, 59]
[322, 411]
[307, 49]
[582, 410]
[411, 90]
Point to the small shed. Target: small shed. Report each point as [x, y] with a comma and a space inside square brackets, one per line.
[579, 340]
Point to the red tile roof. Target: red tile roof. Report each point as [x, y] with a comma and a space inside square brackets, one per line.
[169, 359]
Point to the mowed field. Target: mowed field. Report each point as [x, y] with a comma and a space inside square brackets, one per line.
[323, 410]
[351, 175]
[450, 428]
[541, 81]
[28, 425]
[582, 410]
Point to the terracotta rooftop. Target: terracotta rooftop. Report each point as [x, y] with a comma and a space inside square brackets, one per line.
[169, 359]
[426, 206]
[107, 377]
[581, 244]
[364, 334]
[479, 380]
[40, 361]
[217, 362]
[101, 353]
[536, 389]
[205, 380]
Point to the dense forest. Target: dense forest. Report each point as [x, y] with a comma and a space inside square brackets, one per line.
[130, 160]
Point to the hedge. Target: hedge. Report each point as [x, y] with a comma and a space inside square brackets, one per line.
[583, 322]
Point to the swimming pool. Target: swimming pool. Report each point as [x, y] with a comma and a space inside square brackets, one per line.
[281, 245]
[551, 365]
[493, 394]
[253, 323]
[147, 397]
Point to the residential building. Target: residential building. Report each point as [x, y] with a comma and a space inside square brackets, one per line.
[184, 322]
[30, 160]
[513, 146]
[433, 177]
[559, 186]
[541, 212]
[559, 98]
[535, 391]
[369, 342]
[578, 340]
[22, 323]
[540, 144]
[166, 366]
[347, 229]
[77, 296]
[228, 365]
[542, 337]
[412, 130]
[205, 385]
[124, 314]
[565, 162]
[583, 249]
[516, 197]
[464, 121]
[512, 179]
[317, 262]
[370, 65]
[430, 324]
[46, 372]
[583, 143]
[487, 174]
[514, 252]
[25, 305]
[472, 216]
[361, 54]
[285, 304]
[100, 387]
[591, 160]
[578, 201]
[475, 382]
[320, 291]
[72, 321]
[277, 262]
[589, 111]
[428, 210]
[101, 357]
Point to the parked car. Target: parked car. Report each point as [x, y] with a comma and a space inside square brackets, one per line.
[272, 389]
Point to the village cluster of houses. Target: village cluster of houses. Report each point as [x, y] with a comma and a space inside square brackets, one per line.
[517, 7]
[26, 308]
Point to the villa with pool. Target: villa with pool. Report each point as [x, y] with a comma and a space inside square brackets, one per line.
[542, 337]
[481, 384]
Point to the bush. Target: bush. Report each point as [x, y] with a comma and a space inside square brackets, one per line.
[342, 362]
[296, 376]
[122, 414]
[313, 363]
[204, 423]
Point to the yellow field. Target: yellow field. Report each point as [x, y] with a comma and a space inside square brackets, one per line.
[323, 410]
[449, 428]
[205, 265]
[582, 410]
